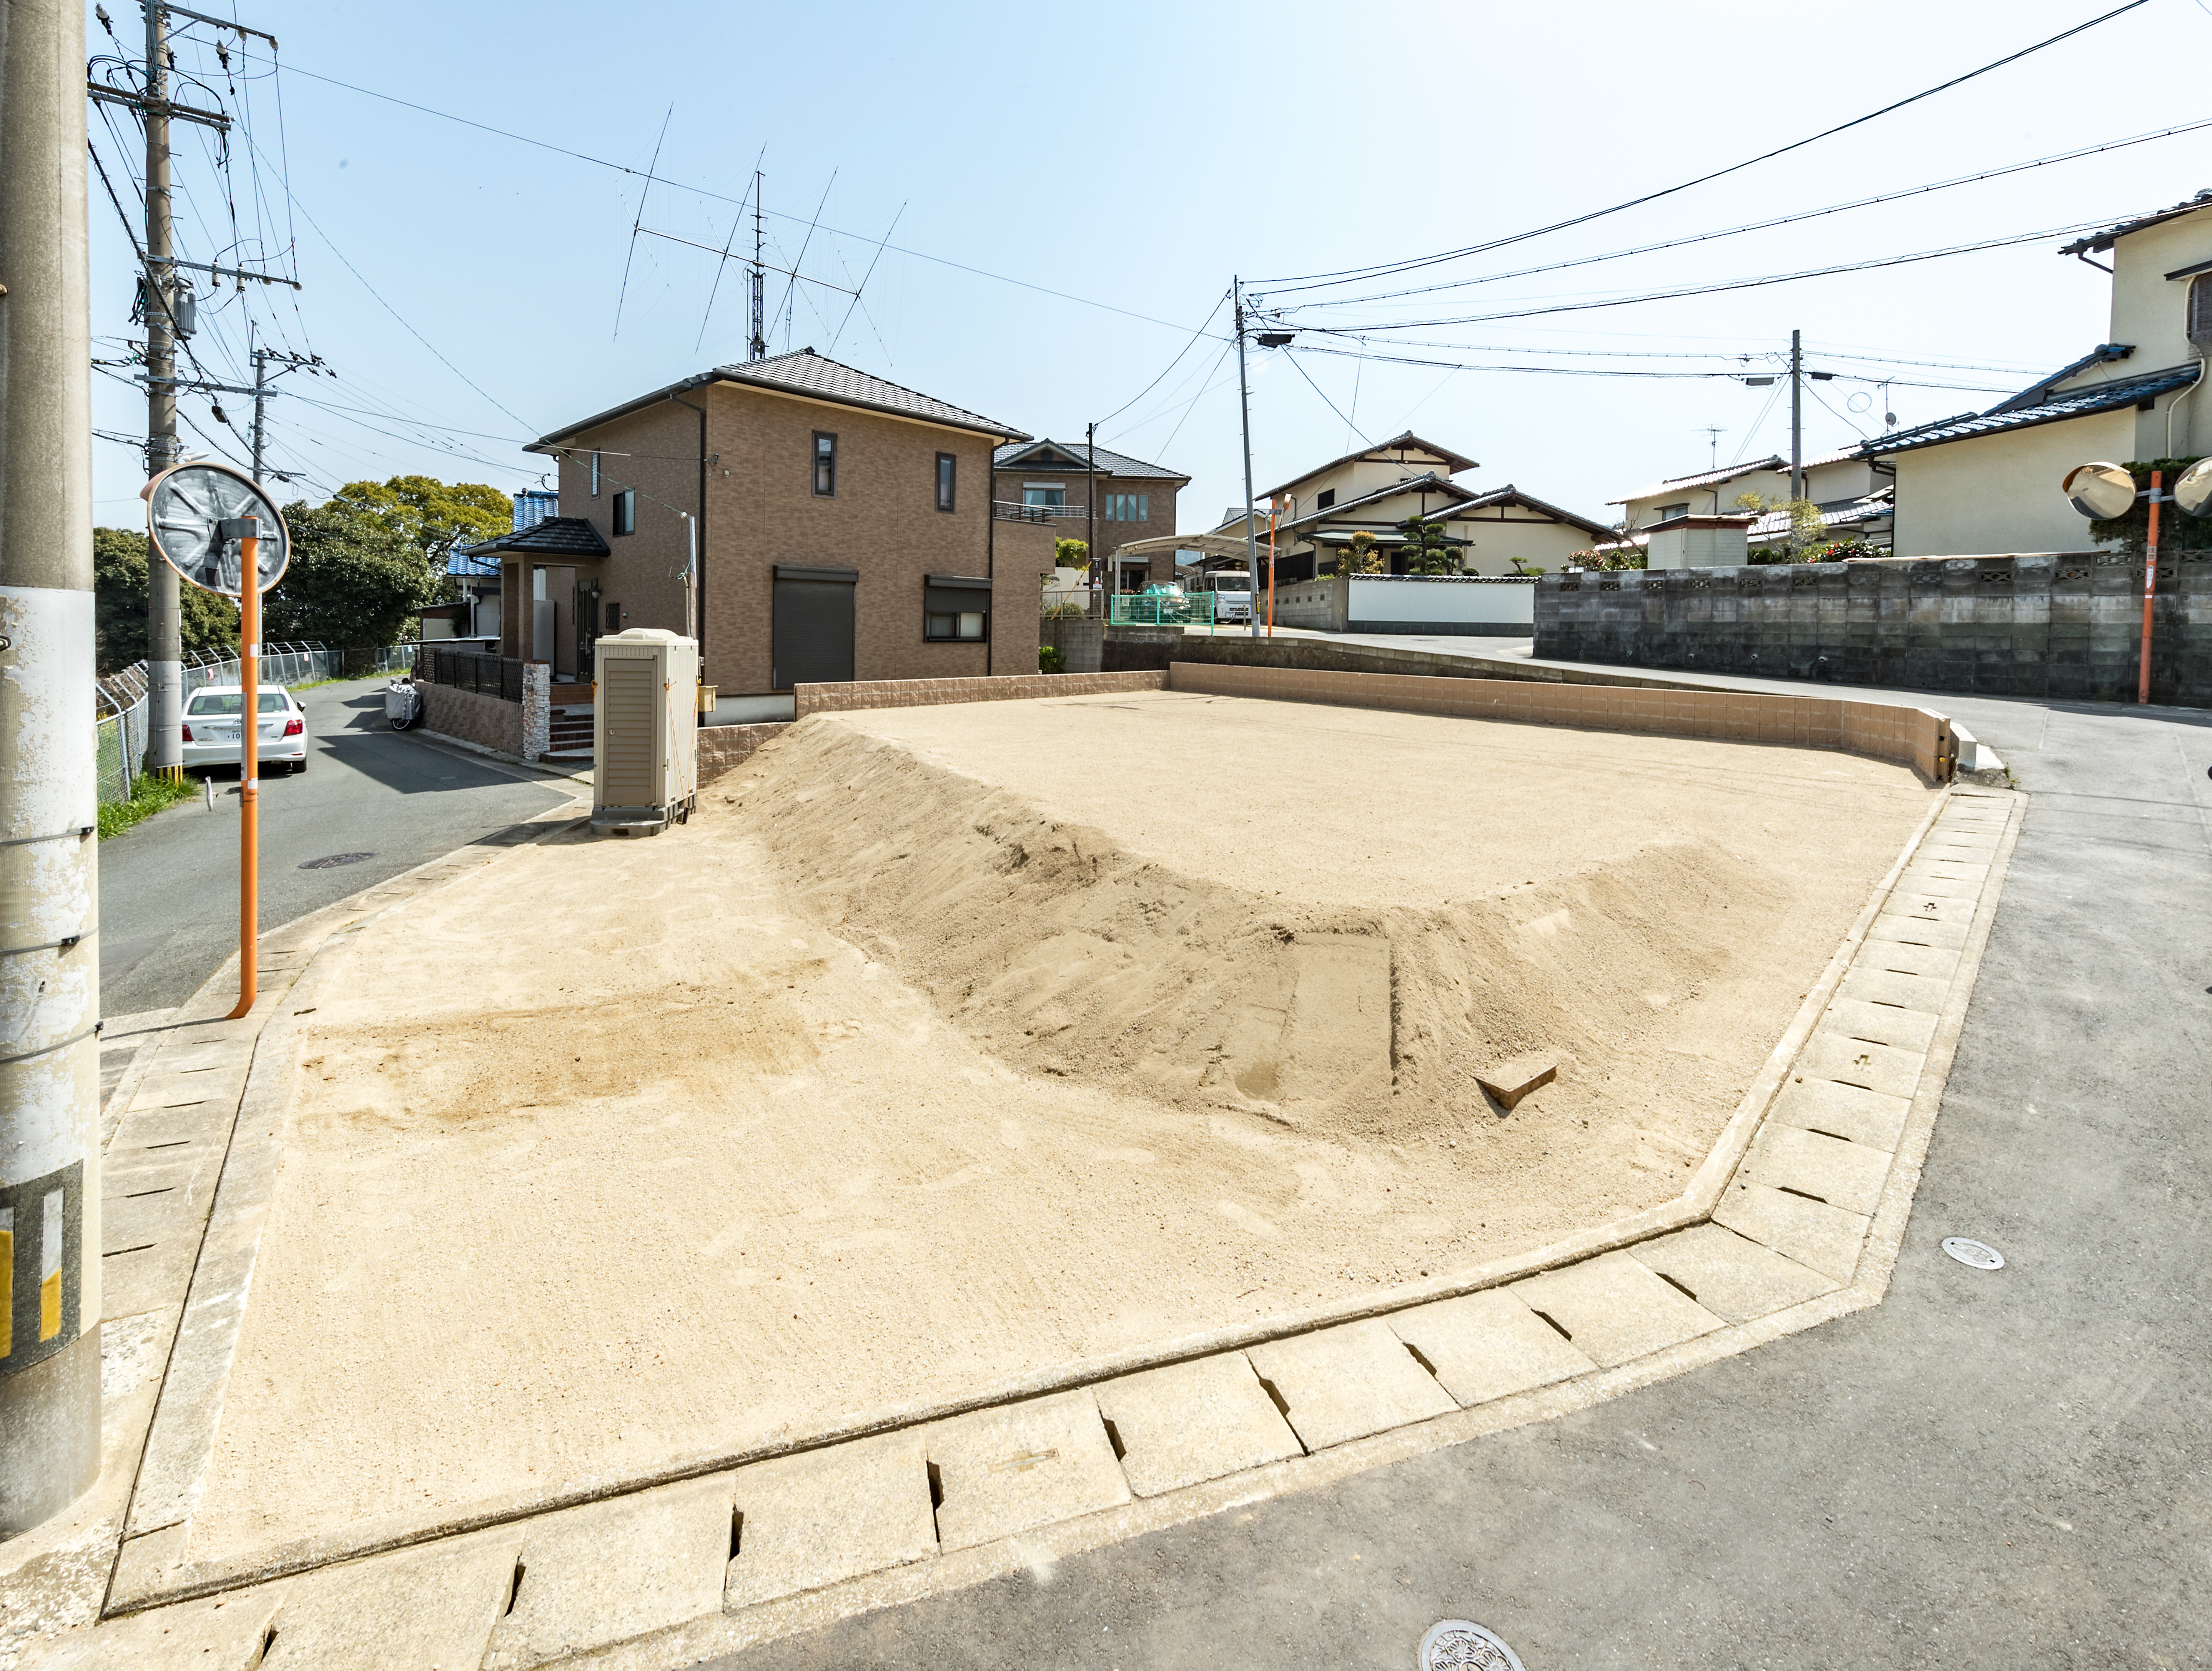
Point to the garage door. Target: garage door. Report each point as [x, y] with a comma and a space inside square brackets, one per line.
[813, 633]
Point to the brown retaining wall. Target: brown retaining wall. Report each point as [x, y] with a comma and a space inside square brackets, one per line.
[1914, 736]
[467, 716]
[721, 747]
[928, 693]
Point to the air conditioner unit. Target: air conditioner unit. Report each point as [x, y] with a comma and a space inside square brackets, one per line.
[645, 730]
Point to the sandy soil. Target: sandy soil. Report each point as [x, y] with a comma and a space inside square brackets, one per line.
[950, 1044]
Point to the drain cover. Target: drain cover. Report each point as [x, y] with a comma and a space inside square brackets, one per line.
[1979, 1254]
[332, 861]
[1452, 1645]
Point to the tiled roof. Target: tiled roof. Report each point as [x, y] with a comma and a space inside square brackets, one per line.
[2111, 236]
[808, 372]
[2068, 403]
[555, 537]
[2035, 393]
[1510, 495]
[1111, 463]
[1427, 482]
[1708, 479]
[805, 373]
[1874, 507]
[1407, 442]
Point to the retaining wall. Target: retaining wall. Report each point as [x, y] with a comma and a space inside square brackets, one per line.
[2063, 623]
[924, 693]
[1913, 735]
[467, 716]
[721, 747]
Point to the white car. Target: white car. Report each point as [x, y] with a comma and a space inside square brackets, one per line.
[211, 727]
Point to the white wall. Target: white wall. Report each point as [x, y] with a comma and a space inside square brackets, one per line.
[1441, 599]
[1995, 493]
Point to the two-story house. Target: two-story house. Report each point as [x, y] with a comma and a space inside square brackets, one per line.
[1374, 491]
[1988, 482]
[1044, 491]
[805, 521]
[1853, 492]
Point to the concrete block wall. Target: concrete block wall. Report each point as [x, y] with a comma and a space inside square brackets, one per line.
[469, 716]
[2063, 623]
[925, 693]
[1914, 736]
[1081, 642]
[721, 747]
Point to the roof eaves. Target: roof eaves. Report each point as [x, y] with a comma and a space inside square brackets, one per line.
[2111, 236]
[2079, 403]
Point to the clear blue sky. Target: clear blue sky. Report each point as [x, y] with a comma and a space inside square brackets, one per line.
[1136, 158]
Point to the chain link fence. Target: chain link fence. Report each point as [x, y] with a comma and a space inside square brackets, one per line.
[122, 696]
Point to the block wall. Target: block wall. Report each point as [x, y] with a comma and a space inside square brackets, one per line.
[928, 693]
[469, 716]
[2063, 624]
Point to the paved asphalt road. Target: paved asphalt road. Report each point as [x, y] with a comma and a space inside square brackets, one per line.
[168, 887]
[2002, 1469]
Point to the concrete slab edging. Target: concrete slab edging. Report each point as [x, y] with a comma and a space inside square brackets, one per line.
[160, 1571]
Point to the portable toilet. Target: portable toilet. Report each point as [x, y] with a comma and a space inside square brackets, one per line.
[645, 730]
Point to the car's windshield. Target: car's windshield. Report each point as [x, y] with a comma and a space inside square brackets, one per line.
[225, 702]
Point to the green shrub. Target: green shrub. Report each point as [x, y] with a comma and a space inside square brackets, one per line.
[1048, 659]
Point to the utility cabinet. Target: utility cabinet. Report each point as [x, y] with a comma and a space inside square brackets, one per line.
[645, 731]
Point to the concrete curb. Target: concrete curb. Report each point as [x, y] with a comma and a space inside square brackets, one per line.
[162, 1572]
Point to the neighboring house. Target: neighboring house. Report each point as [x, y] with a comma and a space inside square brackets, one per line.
[1988, 482]
[1043, 491]
[843, 532]
[1376, 490]
[1853, 492]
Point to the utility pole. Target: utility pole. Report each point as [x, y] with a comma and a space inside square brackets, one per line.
[49, 864]
[1796, 414]
[165, 637]
[1244, 401]
[260, 400]
[757, 345]
[1091, 501]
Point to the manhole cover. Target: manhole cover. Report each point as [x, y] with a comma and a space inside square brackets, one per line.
[332, 861]
[1454, 1644]
[1979, 1254]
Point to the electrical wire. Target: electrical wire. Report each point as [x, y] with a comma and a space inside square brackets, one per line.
[1599, 371]
[1317, 281]
[1331, 404]
[1172, 364]
[1762, 225]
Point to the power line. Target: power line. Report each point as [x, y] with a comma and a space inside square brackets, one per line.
[1599, 371]
[1171, 364]
[1765, 225]
[720, 197]
[1317, 280]
[1711, 289]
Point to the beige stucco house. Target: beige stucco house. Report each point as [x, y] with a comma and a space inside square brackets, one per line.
[1988, 482]
[1375, 490]
[1853, 494]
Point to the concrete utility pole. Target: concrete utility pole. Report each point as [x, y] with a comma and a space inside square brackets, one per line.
[1244, 400]
[260, 400]
[165, 610]
[1091, 508]
[49, 864]
[1796, 414]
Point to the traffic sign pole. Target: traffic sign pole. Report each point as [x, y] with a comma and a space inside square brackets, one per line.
[249, 775]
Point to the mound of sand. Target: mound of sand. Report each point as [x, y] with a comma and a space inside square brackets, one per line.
[1061, 952]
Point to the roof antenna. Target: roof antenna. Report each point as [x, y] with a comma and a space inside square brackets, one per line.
[757, 345]
[736, 222]
[865, 277]
[1713, 434]
[651, 169]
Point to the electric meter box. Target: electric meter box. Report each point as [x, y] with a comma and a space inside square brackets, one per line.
[645, 730]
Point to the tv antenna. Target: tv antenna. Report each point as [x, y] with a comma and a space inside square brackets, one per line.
[1713, 434]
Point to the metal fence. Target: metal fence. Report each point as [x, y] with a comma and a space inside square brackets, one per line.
[470, 670]
[1160, 609]
[121, 697]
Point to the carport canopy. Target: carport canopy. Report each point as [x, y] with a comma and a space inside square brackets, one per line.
[1213, 545]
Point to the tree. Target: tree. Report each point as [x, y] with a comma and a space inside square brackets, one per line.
[1071, 554]
[119, 559]
[433, 516]
[356, 578]
[1808, 528]
[1428, 549]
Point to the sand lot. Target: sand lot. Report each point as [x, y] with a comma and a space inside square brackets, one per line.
[950, 1045]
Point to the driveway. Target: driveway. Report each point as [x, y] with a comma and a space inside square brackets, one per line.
[1989, 1468]
[168, 887]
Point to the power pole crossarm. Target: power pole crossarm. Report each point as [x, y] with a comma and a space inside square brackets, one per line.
[49, 851]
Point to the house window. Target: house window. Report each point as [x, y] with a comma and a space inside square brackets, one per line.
[625, 517]
[956, 609]
[1034, 493]
[1325, 499]
[1127, 507]
[2200, 310]
[595, 472]
[947, 468]
[614, 618]
[1666, 511]
[825, 466]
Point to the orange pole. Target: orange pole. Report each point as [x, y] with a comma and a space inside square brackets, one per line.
[1271, 567]
[2150, 585]
[249, 775]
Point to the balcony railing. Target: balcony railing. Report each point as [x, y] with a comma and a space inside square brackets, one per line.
[1004, 512]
